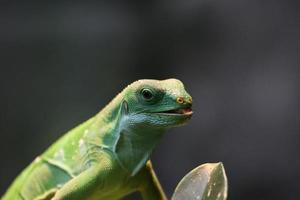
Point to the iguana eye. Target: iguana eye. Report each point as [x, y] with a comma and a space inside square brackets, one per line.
[147, 94]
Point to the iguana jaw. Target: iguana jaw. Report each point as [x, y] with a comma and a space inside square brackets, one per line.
[180, 111]
[185, 110]
[169, 117]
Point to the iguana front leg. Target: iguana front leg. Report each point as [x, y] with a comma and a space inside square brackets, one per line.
[79, 187]
[83, 185]
[150, 187]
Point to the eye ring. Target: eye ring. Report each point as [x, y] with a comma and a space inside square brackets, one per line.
[147, 94]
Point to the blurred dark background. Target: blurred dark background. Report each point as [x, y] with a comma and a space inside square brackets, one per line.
[61, 62]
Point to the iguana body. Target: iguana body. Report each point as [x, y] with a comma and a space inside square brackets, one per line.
[106, 156]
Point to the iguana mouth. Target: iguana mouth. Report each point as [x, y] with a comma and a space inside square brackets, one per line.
[180, 111]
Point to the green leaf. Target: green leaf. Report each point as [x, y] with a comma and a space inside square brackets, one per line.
[205, 182]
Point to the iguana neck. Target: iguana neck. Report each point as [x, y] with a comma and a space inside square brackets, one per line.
[104, 131]
[111, 112]
[132, 144]
[135, 146]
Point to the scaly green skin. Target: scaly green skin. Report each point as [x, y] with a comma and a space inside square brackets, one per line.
[106, 156]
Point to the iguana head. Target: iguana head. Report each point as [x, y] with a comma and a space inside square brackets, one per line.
[155, 103]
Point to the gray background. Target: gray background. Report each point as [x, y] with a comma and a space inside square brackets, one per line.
[60, 63]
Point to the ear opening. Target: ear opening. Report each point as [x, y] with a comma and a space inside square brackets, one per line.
[124, 108]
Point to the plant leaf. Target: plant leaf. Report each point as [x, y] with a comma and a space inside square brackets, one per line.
[205, 182]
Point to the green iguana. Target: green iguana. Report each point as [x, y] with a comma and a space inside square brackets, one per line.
[107, 157]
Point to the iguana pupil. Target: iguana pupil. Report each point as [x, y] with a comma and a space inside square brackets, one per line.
[147, 94]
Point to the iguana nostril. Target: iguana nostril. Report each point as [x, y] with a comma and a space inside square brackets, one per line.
[180, 100]
[190, 100]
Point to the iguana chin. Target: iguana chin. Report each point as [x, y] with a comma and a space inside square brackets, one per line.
[107, 157]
